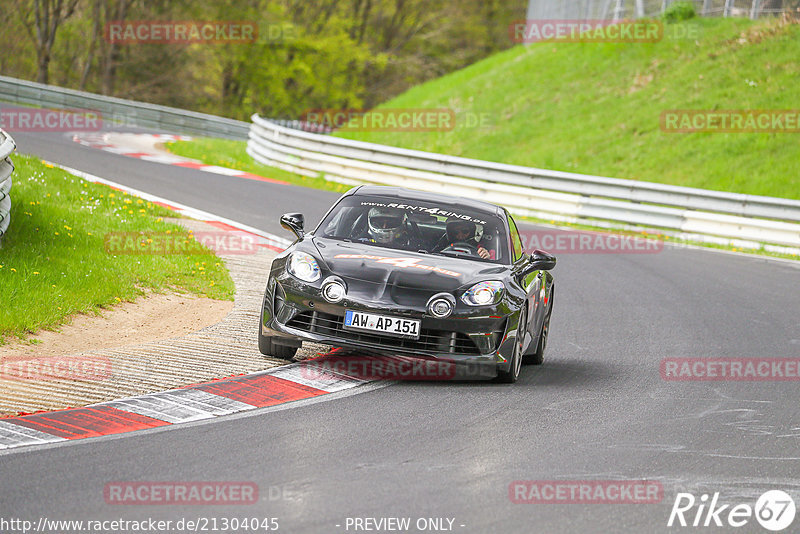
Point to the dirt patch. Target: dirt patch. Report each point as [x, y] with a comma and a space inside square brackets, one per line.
[151, 318]
[154, 344]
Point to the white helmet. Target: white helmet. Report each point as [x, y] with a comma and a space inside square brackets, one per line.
[385, 224]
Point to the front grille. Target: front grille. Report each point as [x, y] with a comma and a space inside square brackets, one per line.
[441, 341]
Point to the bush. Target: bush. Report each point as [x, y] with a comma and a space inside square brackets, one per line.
[679, 11]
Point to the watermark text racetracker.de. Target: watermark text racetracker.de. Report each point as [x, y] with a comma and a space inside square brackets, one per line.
[585, 492]
[18, 119]
[168, 243]
[147, 525]
[574, 30]
[128, 32]
[181, 493]
[331, 368]
[587, 242]
[599, 31]
[395, 119]
[752, 369]
[730, 121]
[71, 367]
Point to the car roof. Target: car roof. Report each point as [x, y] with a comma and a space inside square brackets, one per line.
[404, 194]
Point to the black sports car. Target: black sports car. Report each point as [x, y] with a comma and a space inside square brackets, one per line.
[396, 271]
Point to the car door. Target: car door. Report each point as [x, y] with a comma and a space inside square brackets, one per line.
[530, 282]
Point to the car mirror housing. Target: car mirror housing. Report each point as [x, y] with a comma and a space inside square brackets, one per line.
[540, 261]
[294, 223]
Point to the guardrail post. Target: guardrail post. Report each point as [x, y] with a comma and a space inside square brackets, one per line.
[726, 12]
[754, 11]
[619, 10]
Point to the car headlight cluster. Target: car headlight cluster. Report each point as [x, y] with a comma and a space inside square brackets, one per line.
[483, 293]
[303, 266]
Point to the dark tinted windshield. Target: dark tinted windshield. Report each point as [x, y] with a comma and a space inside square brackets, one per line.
[418, 226]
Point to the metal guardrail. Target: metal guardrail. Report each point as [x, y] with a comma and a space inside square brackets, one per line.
[306, 126]
[628, 9]
[562, 196]
[121, 111]
[545, 194]
[7, 146]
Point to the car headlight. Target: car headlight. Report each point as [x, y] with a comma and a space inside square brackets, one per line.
[303, 266]
[441, 305]
[483, 293]
[333, 290]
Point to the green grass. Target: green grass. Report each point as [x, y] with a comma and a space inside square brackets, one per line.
[53, 260]
[594, 108]
[232, 154]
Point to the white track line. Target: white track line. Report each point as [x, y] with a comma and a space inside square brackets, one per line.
[271, 239]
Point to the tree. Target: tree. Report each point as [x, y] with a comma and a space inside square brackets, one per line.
[325, 54]
[41, 21]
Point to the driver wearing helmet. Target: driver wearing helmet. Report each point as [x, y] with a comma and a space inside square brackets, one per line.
[386, 226]
[460, 231]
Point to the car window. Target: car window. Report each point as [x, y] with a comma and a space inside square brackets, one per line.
[516, 242]
[418, 226]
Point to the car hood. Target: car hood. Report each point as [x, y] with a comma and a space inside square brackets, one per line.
[385, 266]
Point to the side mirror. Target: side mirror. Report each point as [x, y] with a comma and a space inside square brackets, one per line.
[540, 261]
[294, 223]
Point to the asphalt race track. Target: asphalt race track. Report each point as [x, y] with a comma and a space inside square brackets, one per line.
[598, 409]
[245, 201]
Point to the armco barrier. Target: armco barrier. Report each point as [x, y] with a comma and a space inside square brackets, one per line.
[7, 146]
[562, 196]
[126, 112]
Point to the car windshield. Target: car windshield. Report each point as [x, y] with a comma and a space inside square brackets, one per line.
[418, 226]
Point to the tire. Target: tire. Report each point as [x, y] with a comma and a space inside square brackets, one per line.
[268, 348]
[511, 376]
[537, 358]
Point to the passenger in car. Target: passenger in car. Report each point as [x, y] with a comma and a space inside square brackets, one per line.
[464, 232]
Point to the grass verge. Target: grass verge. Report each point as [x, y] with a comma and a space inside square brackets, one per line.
[53, 260]
[233, 155]
[595, 108]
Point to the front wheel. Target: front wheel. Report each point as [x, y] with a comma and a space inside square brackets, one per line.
[268, 348]
[537, 358]
[511, 376]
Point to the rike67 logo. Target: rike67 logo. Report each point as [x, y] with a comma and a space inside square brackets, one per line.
[774, 511]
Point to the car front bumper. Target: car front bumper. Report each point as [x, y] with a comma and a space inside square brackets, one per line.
[476, 340]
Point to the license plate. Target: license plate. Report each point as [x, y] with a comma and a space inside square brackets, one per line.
[392, 326]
